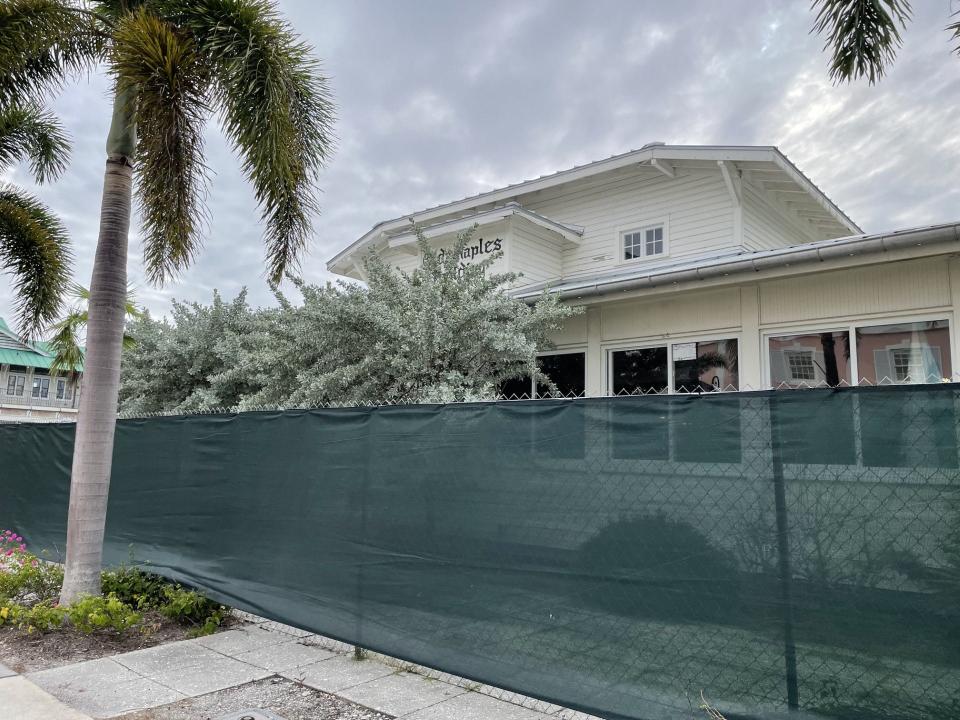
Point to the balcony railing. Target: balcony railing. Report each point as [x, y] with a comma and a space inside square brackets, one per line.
[27, 400]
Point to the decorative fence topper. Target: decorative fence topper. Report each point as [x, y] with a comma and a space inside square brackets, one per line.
[774, 551]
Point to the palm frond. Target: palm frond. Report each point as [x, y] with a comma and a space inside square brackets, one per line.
[169, 79]
[65, 341]
[275, 107]
[27, 132]
[34, 249]
[863, 36]
[42, 44]
[954, 30]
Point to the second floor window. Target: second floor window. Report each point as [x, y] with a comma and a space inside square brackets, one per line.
[63, 390]
[645, 242]
[15, 384]
[41, 387]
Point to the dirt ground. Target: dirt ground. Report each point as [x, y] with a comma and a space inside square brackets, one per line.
[23, 652]
[285, 698]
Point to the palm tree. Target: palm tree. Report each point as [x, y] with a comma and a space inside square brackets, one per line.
[173, 62]
[33, 242]
[65, 337]
[863, 35]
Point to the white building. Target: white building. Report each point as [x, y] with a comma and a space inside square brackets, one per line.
[704, 267]
[29, 390]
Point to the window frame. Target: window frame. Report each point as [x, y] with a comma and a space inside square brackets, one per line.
[850, 326]
[622, 233]
[19, 383]
[609, 348]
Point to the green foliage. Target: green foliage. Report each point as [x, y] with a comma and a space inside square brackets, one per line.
[189, 607]
[23, 576]
[442, 333]
[177, 62]
[162, 68]
[92, 613]
[133, 586]
[29, 133]
[33, 242]
[175, 365]
[147, 591]
[42, 617]
[65, 338]
[863, 36]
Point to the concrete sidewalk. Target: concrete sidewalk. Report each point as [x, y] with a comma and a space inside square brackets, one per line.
[143, 679]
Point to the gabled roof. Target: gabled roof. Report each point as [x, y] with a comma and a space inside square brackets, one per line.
[14, 351]
[570, 233]
[656, 155]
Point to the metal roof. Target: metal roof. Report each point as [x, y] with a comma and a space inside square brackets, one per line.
[649, 152]
[37, 354]
[718, 265]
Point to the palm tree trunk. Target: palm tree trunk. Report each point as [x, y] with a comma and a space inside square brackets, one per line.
[96, 420]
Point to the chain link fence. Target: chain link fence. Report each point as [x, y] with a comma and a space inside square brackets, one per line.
[780, 552]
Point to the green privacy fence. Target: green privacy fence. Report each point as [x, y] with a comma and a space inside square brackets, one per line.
[792, 553]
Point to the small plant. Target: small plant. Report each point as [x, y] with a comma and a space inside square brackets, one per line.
[135, 587]
[25, 578]
[188, 607]
[92, 613]
[42, 617]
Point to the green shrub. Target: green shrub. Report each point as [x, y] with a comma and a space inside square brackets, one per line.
[92, 613]
[42, 617]
[189, 607]
[136, 588]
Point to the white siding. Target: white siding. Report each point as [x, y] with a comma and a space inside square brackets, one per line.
[695, 207]
[765, 228]
[534, 252]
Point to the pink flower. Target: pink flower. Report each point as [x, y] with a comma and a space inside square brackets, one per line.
[23, 546]
[9, 553]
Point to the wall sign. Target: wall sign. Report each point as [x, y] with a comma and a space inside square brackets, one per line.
[477, 249]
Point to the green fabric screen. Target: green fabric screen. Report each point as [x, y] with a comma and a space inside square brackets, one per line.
[776, 551]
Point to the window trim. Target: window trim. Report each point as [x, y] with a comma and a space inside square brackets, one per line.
[622, 232]
[850, 326]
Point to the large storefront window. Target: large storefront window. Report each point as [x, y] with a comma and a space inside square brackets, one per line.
[908, 353]
[812, 360]
[705, 366]
[639, 372]
[904, 354]
[568, 372]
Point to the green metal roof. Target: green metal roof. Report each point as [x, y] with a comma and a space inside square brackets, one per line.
[37, 354]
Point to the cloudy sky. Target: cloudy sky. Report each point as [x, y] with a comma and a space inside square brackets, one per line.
[438, 99]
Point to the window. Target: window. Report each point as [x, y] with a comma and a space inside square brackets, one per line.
[904, 353]
[567, 371]
[705, 366]
[639, 372]
[800, 364]
[41, 387]
[15, 384]
[62, 390]
[816, 358]
[645, 242]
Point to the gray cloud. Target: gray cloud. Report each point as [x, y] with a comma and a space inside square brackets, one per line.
[438, 100]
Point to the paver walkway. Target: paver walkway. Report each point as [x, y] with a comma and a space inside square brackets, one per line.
[110, 687]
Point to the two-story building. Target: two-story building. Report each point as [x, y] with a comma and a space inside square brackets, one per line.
[704, 267]
[30, 391]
